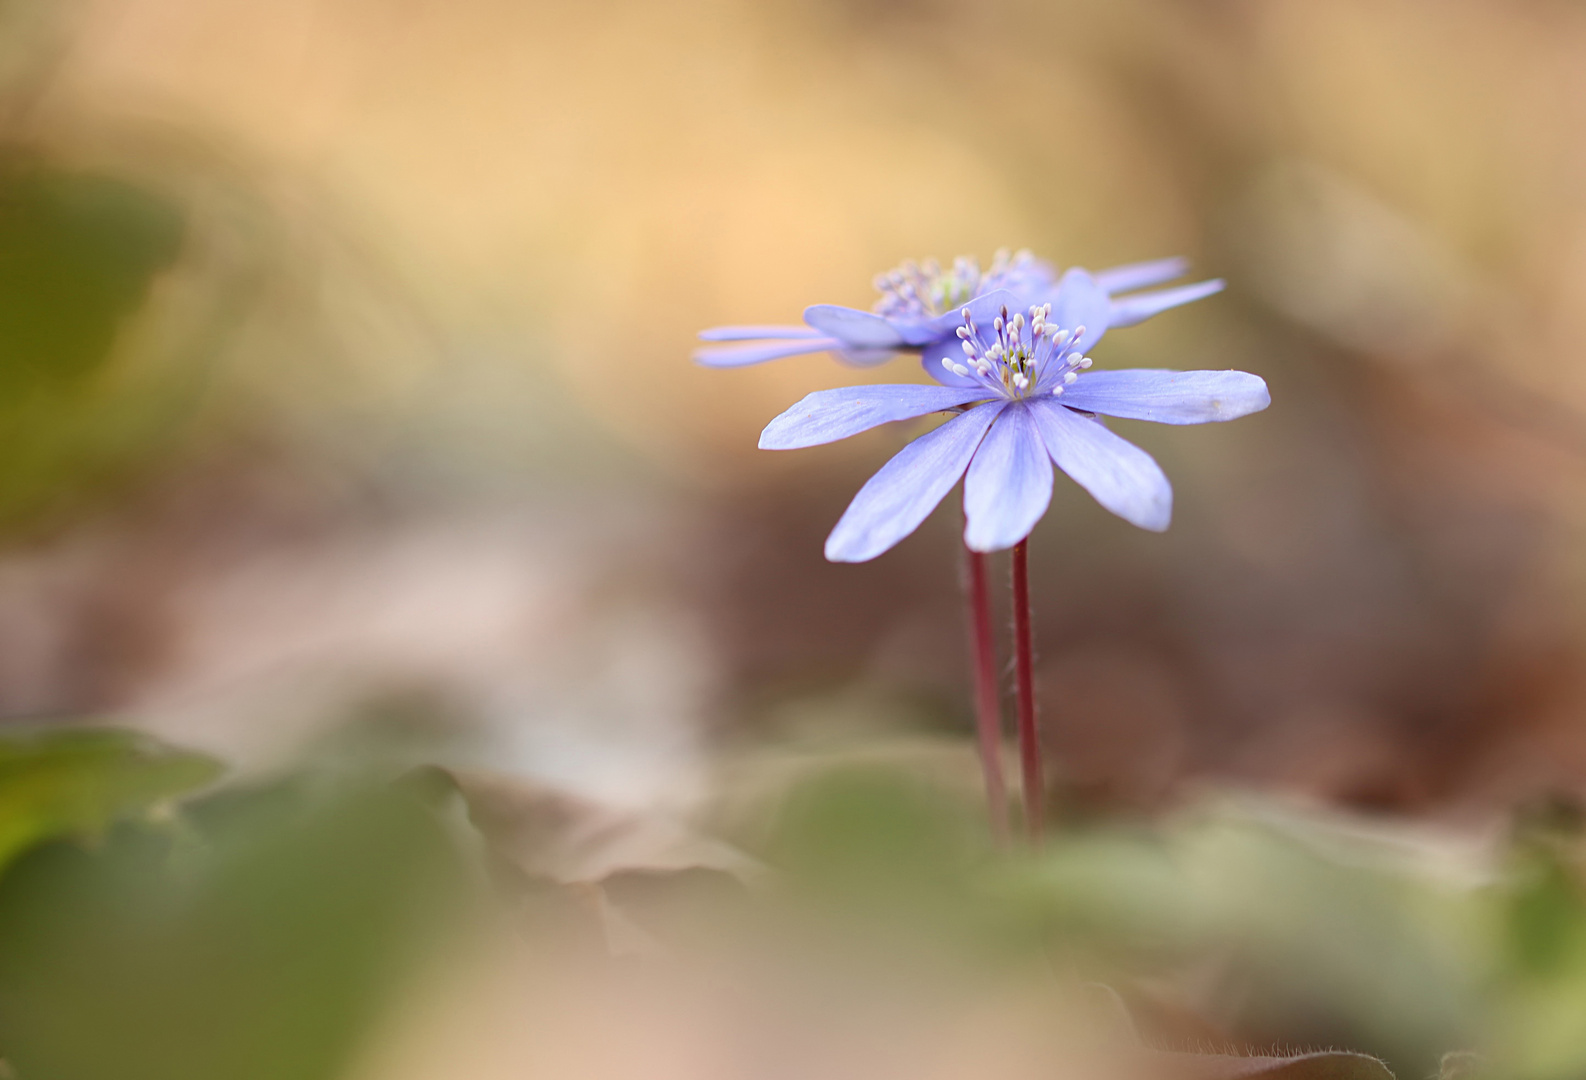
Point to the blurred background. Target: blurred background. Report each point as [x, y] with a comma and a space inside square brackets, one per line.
[346, 371]
[345, 390]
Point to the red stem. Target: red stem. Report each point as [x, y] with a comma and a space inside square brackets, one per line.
[988, 704]
[1024, 663]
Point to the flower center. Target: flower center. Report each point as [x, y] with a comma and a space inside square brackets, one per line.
[925, 289]
[1020, 358]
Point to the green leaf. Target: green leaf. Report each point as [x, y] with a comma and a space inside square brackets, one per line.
[77, 254]
[77, 781]
[84, 395]
[260, 942]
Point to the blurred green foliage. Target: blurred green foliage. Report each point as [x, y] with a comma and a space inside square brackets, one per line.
[254, 934]
[79, 253]
[1543, 894]
[153, 925]
[77, 782]
[867, 828]
[1295, 931]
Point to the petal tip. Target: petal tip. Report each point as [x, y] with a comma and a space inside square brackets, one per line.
[982, 546]
[840, 550]
[1158, 516]
[775, 438]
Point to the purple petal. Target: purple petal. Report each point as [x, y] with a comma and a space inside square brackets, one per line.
[1118, 474]
[895, 500]
[742, 355]
[1079, 301]
[1009, 483]
[854, 328]
[828, 415]
[931, 360]
[755, 333]
[1128, 310]
[1030, 279]
[864, 358]
[982, 309]
[1141, 275]
[1169, 397]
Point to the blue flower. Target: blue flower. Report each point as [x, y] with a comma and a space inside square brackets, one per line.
[919, 310]
[1024, 400]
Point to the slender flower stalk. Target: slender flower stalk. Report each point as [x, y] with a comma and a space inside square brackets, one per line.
[1029, 733]
[988, 699]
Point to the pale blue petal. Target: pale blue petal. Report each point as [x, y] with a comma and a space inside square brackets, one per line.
[854, 328]
[1169, 397]
[864, 358]
[1141, 275]
[989, 305]
[828, 415]
[1079, 301]
[917, 332]
[895, 500]
[756, 333]
[1009, 483]
[728, 356]
[982, 309]
[931, 360]
[1128, 310]
[1031, 280]
[1118, 474]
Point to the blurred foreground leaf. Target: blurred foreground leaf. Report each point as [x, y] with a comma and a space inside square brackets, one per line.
[256, 943]
[1541, 1011]
[867, 826]
[79, 253]
[1323, 1065]
[77, 782]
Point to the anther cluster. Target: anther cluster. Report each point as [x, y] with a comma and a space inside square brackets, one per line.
[1020, 358]
[925, 289]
